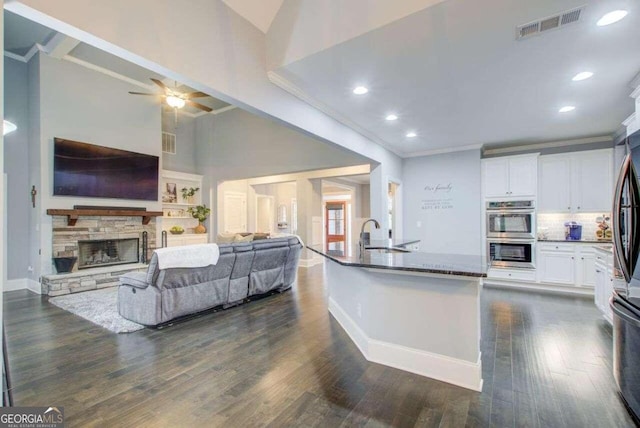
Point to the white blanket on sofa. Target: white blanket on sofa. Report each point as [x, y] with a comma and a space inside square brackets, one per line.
[188, 256]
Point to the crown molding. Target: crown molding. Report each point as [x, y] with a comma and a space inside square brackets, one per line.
[628, 121]
[296, 91]
[550, 145]
[26, 57]
[443, 150]
[14, 56]
[636, 92]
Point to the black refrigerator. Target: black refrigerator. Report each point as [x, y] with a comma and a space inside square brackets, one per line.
[625, 301]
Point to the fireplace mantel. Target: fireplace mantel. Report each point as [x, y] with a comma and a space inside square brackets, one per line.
[72, 215]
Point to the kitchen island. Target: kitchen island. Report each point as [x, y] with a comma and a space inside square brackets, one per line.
[410, 310]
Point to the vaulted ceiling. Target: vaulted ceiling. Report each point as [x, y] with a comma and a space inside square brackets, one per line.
[23, 37]
[454, 72]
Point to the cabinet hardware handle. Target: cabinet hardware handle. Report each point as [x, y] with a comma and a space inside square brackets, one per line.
[571, 258]
[598, 271]
[578, 207]
[582, 258]
[568, 208]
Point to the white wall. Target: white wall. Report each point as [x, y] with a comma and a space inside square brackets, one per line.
[450, 220]
[16, 166]
[184, 160]
[79, 104]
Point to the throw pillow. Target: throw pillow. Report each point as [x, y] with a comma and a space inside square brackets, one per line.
[240, 238]
[225, 238]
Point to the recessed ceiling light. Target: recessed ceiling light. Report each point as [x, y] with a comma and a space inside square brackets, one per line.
[566, 109]
[582, 76]
[611, 18]
[360, 90]
[411, 134]
[391, 117]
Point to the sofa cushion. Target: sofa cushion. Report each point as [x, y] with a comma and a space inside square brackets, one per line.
[134, 279]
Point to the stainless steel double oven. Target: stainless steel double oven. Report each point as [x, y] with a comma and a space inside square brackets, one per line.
[511, 235]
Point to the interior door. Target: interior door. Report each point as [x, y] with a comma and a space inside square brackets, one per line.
[235, 212]
[335, 225]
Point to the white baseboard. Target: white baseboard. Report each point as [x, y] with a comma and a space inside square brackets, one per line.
[15, 284]
[34, 286]
[440, 367]
[539, 286]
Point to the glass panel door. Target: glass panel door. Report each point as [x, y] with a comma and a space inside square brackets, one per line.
[335, 227]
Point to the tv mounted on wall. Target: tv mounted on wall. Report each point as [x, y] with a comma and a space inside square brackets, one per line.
[81, 169]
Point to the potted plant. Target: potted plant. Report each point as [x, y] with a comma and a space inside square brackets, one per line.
[200, 212]
[188, 193]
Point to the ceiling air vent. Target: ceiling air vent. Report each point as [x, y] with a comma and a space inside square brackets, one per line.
[549, 23]
[168, 143]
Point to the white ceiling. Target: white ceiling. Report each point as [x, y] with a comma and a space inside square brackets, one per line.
[259, 13]
[456, 74]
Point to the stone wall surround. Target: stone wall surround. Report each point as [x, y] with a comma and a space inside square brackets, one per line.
[65, 238]
[65, 244]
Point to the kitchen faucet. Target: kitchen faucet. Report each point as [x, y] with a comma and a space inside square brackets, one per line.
[376, 224]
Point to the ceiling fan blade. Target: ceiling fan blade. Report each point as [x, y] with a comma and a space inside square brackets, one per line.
[196, 94]
[159, 83]
[198, 105]
[144, 93]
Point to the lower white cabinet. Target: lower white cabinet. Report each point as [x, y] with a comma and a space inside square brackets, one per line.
[557, 267]
[603, 271]
[190, 239]
[567, 264]
[586, 259]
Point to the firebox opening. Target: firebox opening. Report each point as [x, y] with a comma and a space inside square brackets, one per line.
[107, 252]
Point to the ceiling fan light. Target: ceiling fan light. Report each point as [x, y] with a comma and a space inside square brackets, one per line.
[175, 102]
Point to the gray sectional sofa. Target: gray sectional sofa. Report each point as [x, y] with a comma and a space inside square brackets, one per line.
[244, 269]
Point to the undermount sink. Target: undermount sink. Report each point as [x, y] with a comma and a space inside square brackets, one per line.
[386, 250]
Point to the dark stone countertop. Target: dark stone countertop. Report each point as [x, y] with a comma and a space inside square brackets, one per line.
[414, 261]
[582, 241]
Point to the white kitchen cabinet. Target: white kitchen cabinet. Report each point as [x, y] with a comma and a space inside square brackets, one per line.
[603, 269]
[576, 182]
[554, 193]
[586, 266]
[510, 176]
[557, 267]
[567, 263]
[593, 181]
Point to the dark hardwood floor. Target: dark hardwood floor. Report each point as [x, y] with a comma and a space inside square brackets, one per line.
[283, 361]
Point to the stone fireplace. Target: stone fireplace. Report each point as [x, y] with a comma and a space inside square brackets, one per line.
[108, 252]
[102, 245]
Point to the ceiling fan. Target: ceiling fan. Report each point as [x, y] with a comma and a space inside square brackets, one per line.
[177, 99]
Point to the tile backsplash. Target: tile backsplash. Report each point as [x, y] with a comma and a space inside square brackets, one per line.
[554, 224]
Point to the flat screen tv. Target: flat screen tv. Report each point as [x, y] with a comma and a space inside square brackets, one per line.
[81, 169]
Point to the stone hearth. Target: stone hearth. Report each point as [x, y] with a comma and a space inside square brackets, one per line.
[86, 279]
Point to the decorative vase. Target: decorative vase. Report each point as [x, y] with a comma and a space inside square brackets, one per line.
[200, 228]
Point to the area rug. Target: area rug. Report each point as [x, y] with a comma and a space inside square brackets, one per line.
[99, 307]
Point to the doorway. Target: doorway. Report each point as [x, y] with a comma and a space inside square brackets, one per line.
[336, 225]
[392, 207]
[265, 213]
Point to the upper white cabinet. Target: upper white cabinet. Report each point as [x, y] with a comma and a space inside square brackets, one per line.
[576, 182]
[510, 176]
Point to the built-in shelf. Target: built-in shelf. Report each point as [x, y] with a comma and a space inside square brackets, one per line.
[73, 215]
